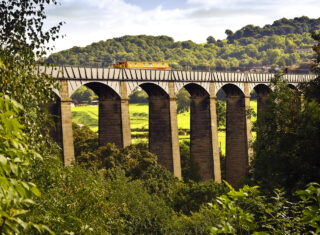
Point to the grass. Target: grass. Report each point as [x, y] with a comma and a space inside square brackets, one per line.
[88, 115]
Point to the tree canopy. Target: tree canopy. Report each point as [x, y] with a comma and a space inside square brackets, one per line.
[245, 49]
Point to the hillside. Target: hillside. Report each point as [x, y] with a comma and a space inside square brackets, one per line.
[247, 48]
[298, 25]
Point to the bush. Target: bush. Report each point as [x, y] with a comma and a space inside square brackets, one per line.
[80, 201]
[16, 155]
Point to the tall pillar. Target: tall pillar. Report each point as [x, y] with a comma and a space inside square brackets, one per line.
[237, 152]
[114, 119]
[174, 132]
[203, 132]
[66, 122]
[125, 115]
[214, 135]
[163, 130]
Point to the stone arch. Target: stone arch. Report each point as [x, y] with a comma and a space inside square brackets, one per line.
[163, 131]
[97, 86]
[56, 93]
[110, 114]
[232, 90]
[154, 90]
[237, 133]
[262, 91]
[203, 85]
[202, 132]
[292, 86]
[196, 90]
[219, 86]
[103, 91]
[134, 85]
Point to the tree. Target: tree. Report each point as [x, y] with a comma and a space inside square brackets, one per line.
[23, 40]
[288, 141]
[183, 101]
[221, 113]
[85, 140]
[16, 155]
[22, 130]
[84, 95]
[138, 96]
[312, 89]
[211, 39]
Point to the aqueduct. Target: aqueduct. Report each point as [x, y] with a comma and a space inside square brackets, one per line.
[114, 85]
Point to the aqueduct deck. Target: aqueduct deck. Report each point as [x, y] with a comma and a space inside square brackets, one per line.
[113, 87]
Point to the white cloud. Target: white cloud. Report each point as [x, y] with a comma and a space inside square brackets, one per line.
[95, 20]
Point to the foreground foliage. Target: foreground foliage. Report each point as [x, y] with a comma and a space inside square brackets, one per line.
[288, 137]
[16, 155]
[23, 41]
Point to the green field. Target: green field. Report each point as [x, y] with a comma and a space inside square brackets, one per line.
[88, 115]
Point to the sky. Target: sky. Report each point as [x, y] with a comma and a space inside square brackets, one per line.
[88, 21]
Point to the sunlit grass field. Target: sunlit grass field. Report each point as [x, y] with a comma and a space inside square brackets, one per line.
[88, 115]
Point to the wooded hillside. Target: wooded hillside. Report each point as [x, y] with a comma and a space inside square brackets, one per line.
[284, 43]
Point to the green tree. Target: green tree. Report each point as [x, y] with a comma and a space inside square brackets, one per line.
[221, 113]
[138, 96]
[183, 101]
[85, 140]
[23, 131]
[312, 89]
[287, 144]
[211, 39]
[16, 155]
[23, 41]
[84, 95]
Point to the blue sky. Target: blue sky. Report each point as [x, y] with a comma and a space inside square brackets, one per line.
[90, 21]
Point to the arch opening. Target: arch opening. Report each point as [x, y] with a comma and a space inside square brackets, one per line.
[139, 117]
[157, 123]
[293, 87]
[196, 148]
[237, 133]
[261, 92]
[98, 106]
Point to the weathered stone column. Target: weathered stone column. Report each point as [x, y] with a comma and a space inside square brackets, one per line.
[214, 134]
[66, 121]
[114, 119]
[203, 132]
[174, 132]
[163, 130]
[125, 115]
[236, 136]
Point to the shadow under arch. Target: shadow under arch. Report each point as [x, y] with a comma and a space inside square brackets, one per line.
[202, 132]
[262, 91]
[293, 87]
[237, 133]
[54, 109]
[110, 115]
[163, 131]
